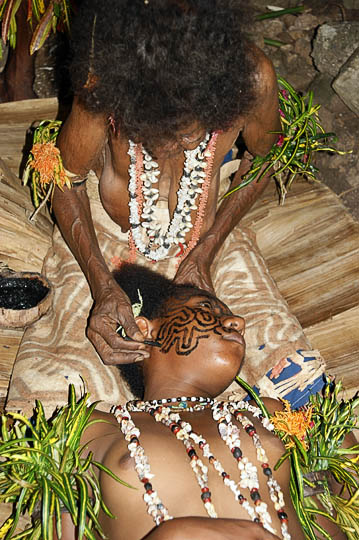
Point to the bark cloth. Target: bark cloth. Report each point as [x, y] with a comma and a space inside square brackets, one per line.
[55, 351]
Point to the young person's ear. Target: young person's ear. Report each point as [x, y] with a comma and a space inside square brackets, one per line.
[146, 326]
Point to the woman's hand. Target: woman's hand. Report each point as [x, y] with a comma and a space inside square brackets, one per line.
[111, 309]
[202, 528]
[194, 270]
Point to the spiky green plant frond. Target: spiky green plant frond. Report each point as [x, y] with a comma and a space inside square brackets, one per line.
[320, 460]
[302, 135]
[44, 468]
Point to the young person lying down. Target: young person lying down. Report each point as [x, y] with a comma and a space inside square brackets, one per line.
[189, 457]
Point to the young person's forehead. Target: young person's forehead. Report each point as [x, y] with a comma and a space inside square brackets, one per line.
[191, 299]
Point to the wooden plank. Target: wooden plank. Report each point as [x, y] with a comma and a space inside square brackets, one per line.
[338, 340]
[15, 120]
[26, 111]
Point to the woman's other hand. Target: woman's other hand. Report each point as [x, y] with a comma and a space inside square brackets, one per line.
[112, 309]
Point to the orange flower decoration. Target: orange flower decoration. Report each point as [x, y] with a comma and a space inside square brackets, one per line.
[47, 162]
[293, 423]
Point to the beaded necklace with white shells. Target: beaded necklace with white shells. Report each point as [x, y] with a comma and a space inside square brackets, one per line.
[222, 412]
[194, 175]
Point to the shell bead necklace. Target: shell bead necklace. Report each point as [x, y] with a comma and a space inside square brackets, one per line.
[144, 174]
[166, 412]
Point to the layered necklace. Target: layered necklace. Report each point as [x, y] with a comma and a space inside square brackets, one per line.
[166, 411]
[147, 234]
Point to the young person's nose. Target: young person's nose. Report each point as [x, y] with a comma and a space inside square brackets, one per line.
[234, 322]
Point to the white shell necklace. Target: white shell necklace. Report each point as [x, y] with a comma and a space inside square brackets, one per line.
[147, 233]
[222, 411]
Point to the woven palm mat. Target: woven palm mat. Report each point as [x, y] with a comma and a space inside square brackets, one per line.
[311, 247]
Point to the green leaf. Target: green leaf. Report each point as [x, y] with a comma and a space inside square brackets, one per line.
[253, 395]
[297, 471]
[18, 511]
[72, 398]
[112, 474]
[83, 499]
[51, 467]
[96, 504]
[58, 517]
[342, 474]
[280, 13]
[302, 451]
[42, 30]
[8, 26]
[70, 496]
[281, 460]
[321, 530]
[273, 42]
[304, 520]
[352, 450]
[46, 520]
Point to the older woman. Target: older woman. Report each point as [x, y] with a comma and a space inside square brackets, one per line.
[163, 88]
[153, 81]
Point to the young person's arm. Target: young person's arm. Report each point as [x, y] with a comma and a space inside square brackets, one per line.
[259, 138]
[81, 142]
[203, 528]
[191, 528]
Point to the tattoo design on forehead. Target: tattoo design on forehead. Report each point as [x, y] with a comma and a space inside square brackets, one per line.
[185, 326]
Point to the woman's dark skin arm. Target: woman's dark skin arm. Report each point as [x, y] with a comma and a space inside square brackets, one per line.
[81, 142]
[263, 119]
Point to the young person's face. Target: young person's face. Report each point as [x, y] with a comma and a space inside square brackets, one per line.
[200, 336]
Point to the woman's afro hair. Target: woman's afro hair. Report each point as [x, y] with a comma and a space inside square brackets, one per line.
[161, 65]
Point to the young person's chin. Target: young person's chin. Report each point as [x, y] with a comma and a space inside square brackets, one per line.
[220, 369]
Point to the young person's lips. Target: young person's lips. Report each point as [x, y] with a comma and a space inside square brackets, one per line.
[234, 336]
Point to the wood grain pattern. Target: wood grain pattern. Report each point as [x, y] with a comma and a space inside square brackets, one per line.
[23, 244]
[311, 247]
[9, 343]
[338, 340]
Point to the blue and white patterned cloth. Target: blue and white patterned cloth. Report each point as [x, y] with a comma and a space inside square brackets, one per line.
[294, 368]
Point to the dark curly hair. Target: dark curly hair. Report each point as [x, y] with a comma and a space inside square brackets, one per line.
[158, 66]
[155, 290]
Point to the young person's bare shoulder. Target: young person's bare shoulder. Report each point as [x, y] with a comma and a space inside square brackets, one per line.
[102, 431]
[272, 405]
